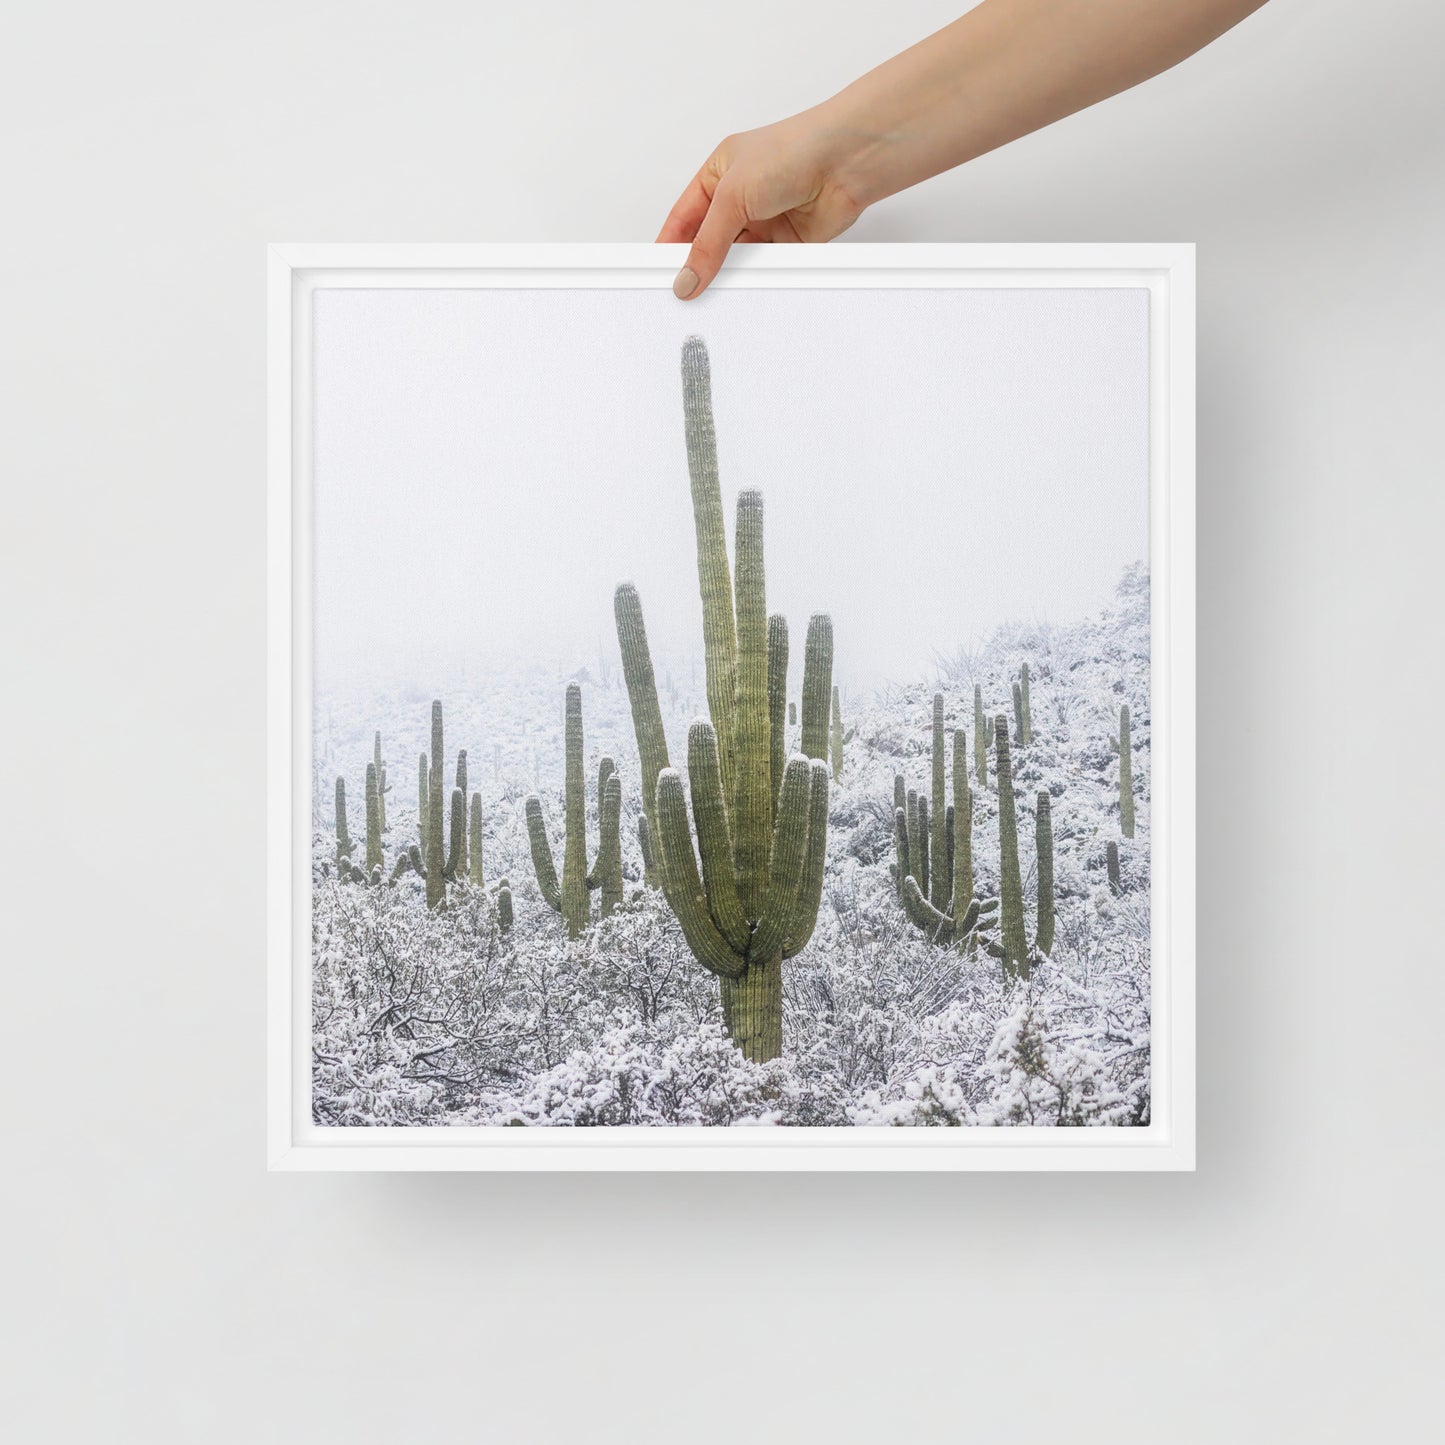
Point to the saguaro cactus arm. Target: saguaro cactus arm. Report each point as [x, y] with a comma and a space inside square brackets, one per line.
[373, 819]
[835, 737]
[542, 861]
[719, 638]
[574, 855]
[684, 887]
[810, 889]
[788, 855]
[458, 834]
[719, 880]
[642, 697]
[777, 703]
[752, 808]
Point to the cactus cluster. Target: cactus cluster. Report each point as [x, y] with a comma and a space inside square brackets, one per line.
[1013, 948]
[934, 840]
[570, 896]
[761, 817]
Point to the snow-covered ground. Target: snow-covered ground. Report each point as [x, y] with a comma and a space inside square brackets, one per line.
[440, 1018]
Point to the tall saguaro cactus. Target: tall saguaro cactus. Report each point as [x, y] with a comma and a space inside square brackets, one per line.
[423, 790]
[380, 778]
[1126, 775]
[570, 896]
[343, 836]
[1044, 875]
[761, 839]
[436, 887]
[373, 818]
[1028, 734]
[474, 841]
[1014, 943]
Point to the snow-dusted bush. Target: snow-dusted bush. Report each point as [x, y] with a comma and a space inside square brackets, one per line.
[439, 1018]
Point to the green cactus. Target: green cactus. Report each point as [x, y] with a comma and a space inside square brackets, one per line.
[1116, 879]
[1018, 715]
[940, 884]
[755, 901]
[504, 906]
[1028, 729]
[1013, 949]
[1044, 877]
[650, 877]
[719, 637]
[792, 714]
[373, 819]
[1126, 775]
[380, 779]
[343, 837]
[423, 788]
[457, 866]
[934, 870]
[980, 738]
[836, 737]
[436, 888]
[570, 896]
[777, 695]
[474, 842]
[454, 867]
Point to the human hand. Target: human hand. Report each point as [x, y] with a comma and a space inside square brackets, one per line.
[782, 182]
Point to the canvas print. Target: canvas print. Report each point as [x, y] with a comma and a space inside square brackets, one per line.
[734, 714]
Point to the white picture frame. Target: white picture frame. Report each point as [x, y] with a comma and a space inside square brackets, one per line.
[1166, 1143]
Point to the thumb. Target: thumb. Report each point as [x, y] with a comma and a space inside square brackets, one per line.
[725, 221]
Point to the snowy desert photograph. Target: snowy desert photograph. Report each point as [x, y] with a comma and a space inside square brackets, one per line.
[738, 719]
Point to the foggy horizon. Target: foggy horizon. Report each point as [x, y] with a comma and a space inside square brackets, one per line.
[490, 464]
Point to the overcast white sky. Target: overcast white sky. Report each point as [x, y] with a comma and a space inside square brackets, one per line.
[490, 464]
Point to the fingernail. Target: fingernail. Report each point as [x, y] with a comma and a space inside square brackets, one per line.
[685, 284]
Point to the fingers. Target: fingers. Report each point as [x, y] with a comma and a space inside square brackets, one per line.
[725, 221]
[686, 216]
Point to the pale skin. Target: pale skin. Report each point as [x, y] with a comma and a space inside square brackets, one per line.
[1004, 69]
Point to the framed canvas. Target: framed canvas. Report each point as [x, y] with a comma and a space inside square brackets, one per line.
[753, 733]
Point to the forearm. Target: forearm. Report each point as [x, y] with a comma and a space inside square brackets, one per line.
[1004, 69]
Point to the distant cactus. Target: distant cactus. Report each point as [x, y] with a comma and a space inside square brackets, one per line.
[755, 902]
[373, 819]
[436, 888]
[403, 865]
[343, 837]
[1028, 729]
[934, 870]
[980, 739]
[504, 906]
[459, 865]
[474, 842]
[380, 779]
[835, 737]
[1018, 715]
[792, 714]
[569, 897]
[1014, 948]
[1126, 775]
[1116, 880]
[940, 883]
[1044, 876]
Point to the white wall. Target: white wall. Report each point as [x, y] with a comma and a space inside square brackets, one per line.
[164, 1288]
